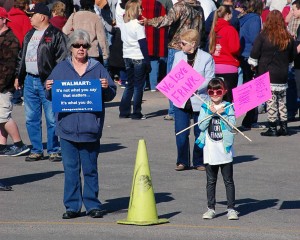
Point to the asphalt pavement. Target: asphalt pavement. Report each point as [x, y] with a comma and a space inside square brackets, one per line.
[266, 174]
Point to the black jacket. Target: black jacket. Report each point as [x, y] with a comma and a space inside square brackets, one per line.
[51, 50]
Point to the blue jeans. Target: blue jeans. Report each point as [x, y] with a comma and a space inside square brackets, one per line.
[34, 100]
[136, 77]
[171, 55]
[182, 121]
[154, 74]
[77, 156]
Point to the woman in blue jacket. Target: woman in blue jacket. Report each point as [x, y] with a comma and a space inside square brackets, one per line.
[250, 27]
[80, 132]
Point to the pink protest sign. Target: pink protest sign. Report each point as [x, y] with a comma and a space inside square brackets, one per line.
[180, 84]
[251, 94]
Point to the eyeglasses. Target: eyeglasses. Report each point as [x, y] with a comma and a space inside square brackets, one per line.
[184, 43]
[79, 45]
[218, 92]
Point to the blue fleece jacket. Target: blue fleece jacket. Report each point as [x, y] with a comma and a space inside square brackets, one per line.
[250, 26]
[82, 126]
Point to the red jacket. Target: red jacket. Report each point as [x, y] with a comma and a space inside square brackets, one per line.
[157, 38]
[19, 24]
[227, 44]
[58, 22]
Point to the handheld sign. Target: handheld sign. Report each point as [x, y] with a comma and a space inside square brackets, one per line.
[180, 84]
[251, 94]
[77, 96]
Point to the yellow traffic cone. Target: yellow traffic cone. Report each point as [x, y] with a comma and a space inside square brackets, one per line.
[142, 208]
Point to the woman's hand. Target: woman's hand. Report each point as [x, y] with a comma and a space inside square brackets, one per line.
[104, 83]
[48, 84]
[16, 84]
[143, 21]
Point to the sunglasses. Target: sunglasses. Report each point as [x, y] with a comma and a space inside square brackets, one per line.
[218, 92]
[184, 43]
[84, 46]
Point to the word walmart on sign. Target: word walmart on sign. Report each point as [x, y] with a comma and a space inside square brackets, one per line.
[180, 84]
[77, 96]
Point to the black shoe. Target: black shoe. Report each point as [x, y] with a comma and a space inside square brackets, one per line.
[283, 130]
[5, 188]
[272, 130]
[15, 151]
[96, 213]
[138, 117]
[124, 116]
[70, 214]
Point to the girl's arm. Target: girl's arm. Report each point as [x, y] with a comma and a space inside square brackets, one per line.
[204, 112]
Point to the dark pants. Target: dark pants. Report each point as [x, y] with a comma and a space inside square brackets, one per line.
[212, 176]
[231, 81]
[252, 115]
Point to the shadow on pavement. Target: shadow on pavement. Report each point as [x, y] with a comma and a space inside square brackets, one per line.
[118, 204]
[157, 113]
[290, 205]
[110, 147]
[249, 205]
[245, 158]
[28, 178]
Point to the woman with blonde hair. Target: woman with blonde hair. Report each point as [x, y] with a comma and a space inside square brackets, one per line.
[58, 19]
[137, 61]
[272, 52]
[203, 63]
[224, 46]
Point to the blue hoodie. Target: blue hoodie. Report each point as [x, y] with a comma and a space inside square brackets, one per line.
[250, 26]
[82, 126]
[228, 114]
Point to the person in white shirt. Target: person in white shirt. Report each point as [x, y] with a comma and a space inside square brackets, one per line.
[137, 61]
[208, 7]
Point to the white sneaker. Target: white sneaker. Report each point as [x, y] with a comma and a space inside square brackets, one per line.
[210, 214]
[232, 214]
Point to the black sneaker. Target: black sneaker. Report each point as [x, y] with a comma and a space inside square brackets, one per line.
[55, 157]
[34, 157]
[140, 117]
[15, 151]
[4, 151]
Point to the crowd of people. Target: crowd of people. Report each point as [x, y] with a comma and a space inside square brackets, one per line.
[136, 43]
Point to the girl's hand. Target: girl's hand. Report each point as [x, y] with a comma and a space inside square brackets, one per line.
[212, 109]
[48, 84]
[104, 83]
[221, 110]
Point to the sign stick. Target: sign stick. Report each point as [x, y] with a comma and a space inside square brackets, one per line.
[199, 121]
[229, 123]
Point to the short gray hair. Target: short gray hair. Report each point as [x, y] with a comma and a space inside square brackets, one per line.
[78, 35]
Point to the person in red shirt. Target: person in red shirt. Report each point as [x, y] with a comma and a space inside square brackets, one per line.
[224, 46]
[58, 19]
[20, 22]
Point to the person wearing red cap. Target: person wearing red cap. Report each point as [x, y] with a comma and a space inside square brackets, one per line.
[9, 48]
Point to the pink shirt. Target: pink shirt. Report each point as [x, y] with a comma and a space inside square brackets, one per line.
[224, 68]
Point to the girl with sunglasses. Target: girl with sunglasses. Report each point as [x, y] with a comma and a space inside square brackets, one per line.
[216, 139]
